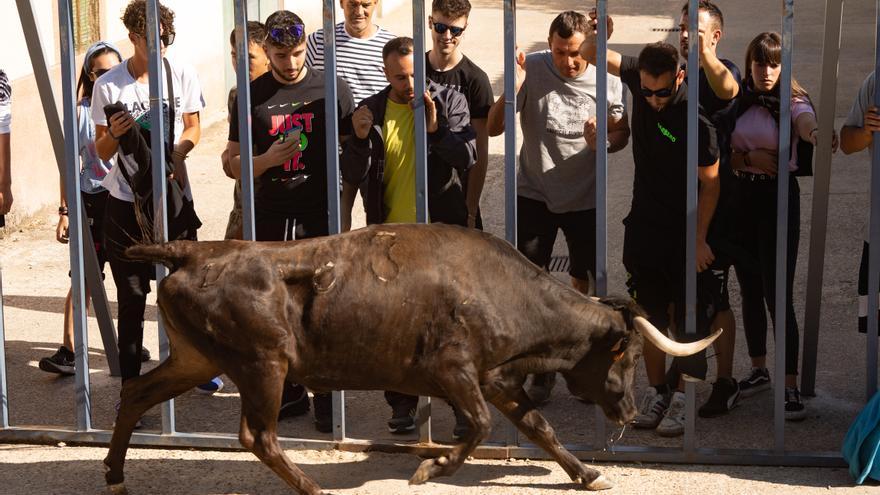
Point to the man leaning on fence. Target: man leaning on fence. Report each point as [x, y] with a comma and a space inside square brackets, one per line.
[556, 177]
[290, 159]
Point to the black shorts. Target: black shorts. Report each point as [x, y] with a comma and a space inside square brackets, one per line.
[656, 287]
[536, 232]
[863, 289]
[271, 227]
[95, 206]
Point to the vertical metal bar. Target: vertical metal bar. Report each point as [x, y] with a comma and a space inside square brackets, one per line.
[601, 176]
[157, 147]
[874, 254]
[334, 222]
[783, 178]
[421, 150]
[95, 285]
[821, 188]
[245, 136]
[690, 266]
[71, 178]
[4, 394]
[53, 122]
[512, 435]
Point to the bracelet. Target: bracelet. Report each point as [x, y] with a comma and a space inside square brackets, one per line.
[814, 130]
[62, 210]
[110, 133]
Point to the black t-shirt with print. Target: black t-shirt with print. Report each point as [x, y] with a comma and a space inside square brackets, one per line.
[299, 186]
[468, 79]
[659, 143]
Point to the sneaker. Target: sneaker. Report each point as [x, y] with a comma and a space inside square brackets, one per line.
[794, 408]
[212, 387]
[145, 355]
[651, 409]
[541, 388]
[62, 362]
[323, 412]
[294, 401]
[758, 381]
[403, 419]
[137, 426]
[724, 397]
[672, 424]
[462, 425]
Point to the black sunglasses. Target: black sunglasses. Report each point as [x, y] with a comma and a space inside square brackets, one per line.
[100, 72]
[278, 34]
[166, 39]
[441, 28]
[659, 93]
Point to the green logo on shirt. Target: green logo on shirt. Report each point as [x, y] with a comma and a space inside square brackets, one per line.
[666, 132]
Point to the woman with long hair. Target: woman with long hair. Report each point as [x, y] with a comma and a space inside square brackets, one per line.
[754, 159]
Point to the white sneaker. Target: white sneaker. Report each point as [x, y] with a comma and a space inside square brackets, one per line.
[651, 409]
[672, 424]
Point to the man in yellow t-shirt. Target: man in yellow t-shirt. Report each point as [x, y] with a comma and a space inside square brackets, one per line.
[382, 150]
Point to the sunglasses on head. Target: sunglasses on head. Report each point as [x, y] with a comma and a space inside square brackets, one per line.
[441, 28]
[659, 93]
[279, 34]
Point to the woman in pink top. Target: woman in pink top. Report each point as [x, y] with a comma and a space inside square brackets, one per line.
[754, 160]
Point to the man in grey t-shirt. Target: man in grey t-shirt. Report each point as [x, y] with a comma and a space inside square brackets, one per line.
[557, 164]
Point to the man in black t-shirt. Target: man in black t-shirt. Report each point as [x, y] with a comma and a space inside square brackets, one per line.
[290, 161]
[654, 237]
[448, 66]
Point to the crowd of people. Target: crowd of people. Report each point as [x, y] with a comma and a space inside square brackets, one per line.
[737, 149]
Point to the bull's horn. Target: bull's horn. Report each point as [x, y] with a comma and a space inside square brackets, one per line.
[668, 345]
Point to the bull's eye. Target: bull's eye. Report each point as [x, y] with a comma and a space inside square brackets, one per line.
[620, 346]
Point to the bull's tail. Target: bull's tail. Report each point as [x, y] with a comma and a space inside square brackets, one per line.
[170, 254]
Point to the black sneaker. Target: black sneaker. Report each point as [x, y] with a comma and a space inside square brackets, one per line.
[462, 425]
[758, 381]
[403, 419]
[62, 362]
[794, 408]
[724, 397]
[294, 401]
[323, 412]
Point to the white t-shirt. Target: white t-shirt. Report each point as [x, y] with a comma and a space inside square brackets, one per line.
[856, 118]
[118, 85]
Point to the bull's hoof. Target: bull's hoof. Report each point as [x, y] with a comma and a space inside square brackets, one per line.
[117, 489]
[600, 483]
[429, 468]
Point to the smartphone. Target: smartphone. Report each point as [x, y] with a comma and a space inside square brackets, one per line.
[290, 134]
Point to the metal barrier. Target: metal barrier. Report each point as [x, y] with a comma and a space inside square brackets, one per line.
[511, 447]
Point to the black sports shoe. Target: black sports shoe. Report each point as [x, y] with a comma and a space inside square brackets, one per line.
[758, 381]
[62, 362]
[794, 408]
[403, 419]
[323, 412]
[724, 397]
[462, 425]
[294, 401]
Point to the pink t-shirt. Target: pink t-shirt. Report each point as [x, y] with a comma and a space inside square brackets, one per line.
[756, 129]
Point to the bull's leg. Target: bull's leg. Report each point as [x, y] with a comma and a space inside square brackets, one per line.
[520, 410]
[463, 390]
[184, 369]
[260, 399]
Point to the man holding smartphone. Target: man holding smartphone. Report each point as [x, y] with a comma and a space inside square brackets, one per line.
[290, 158]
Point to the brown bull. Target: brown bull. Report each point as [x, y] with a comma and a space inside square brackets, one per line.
[425, 310]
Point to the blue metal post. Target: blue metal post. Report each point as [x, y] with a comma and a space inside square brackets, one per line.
[874, 253]
[245, 135]
[71, 178]
[601, 175]
[690, 266]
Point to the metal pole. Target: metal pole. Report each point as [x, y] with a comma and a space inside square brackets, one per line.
[421, 150]
[71, 152]
[690, 266]
[601, 288]
[333, 221]
[512, 435]
[53, 122]
[783, 178]
[245, 136]
[874, 254]
[4, 393]
[821, 188]
[157, 147]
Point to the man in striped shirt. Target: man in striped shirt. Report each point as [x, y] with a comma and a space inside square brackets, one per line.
[359, 45]
[5, 124]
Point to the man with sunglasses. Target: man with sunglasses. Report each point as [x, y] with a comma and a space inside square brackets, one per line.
[128, 83]
[556, 178]
[654, 236]
[449, 67]
[290, 159]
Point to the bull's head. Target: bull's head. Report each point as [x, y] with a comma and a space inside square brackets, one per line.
[605, 375]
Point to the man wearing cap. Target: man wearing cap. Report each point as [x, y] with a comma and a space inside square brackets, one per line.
[290, 158]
